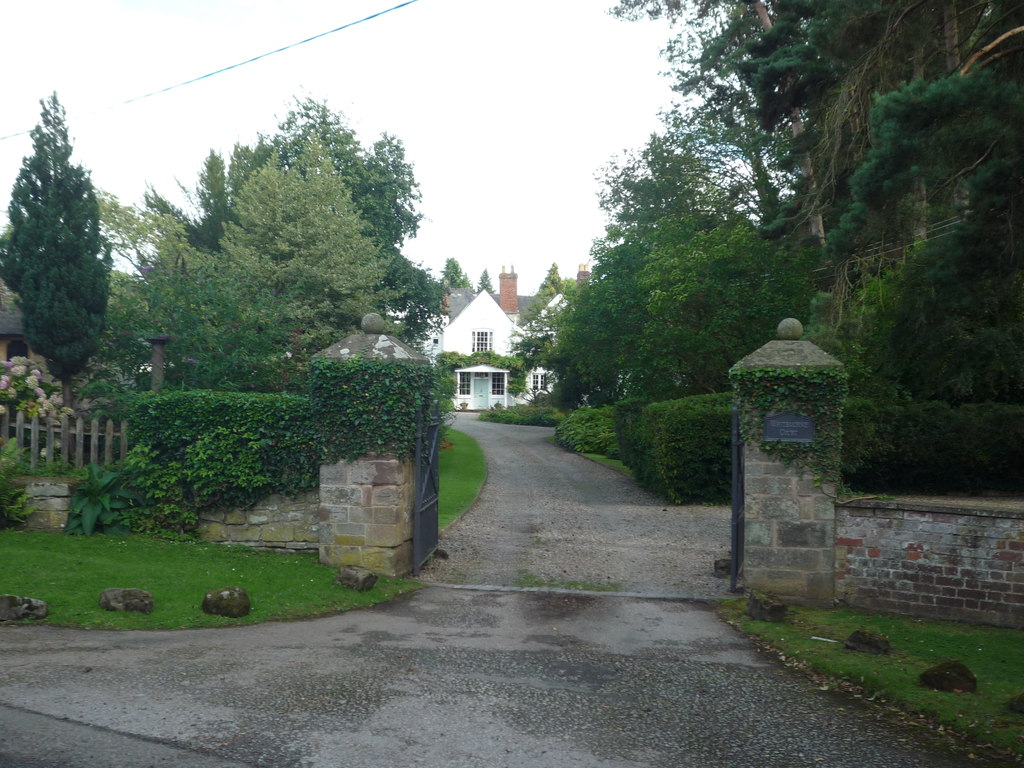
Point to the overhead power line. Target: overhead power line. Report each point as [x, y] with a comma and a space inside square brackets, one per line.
[222, 70]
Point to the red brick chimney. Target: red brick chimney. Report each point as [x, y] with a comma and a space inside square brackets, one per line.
[583, 275]
[508, 283]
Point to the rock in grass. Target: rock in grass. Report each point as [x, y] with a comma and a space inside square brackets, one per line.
[951, 676]
[14, 608]
[762, 607]
[868, 642]
[133, 600]
[1016, 704]
[232, 602]
[358, 579]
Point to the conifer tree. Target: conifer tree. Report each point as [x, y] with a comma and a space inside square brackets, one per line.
[54, 256]
[485, 283]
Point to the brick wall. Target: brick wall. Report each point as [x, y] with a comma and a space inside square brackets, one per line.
[932, 560]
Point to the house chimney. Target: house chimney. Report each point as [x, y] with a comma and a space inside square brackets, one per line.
[583, 276]
[508, 297]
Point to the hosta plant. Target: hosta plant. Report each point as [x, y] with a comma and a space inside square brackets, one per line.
[101, 504]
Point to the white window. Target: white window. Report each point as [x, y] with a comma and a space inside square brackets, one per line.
[464, 383]
[483, 341]
[540, 382]
[497, 383]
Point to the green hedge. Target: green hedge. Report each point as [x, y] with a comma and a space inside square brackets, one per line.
[933, 447]
[589, 430]
[679, 448]
[368, 406]
[201, 449]
[523, 415]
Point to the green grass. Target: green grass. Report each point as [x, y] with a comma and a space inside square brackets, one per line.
[613, 463]
[463, 471]
[70, 572]
[994, 655]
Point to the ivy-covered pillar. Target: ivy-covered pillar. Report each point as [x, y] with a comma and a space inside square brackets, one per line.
[366, 392]
[790, 394]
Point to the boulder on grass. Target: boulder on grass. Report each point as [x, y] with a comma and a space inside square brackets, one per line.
[15, 608]
[868, 642]
[1016, 704]
[134, 600]
[762, 607]
[358, 579]
[232, 602]
[951, 676]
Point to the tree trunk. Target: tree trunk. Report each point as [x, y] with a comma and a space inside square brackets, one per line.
[68, 394]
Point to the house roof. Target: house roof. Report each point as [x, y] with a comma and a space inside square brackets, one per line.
[10, 321]
[461, 298]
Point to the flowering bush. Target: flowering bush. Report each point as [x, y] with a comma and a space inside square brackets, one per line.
[26, 386]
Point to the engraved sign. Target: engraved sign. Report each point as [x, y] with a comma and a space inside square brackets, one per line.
[788, 427]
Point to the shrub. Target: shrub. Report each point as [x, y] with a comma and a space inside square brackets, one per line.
[690, 448]
[101, 504]
[523, 415]
[933, 447]
[26, 386]
[634, 444]
[201, 449]
[14, 507]
[589, 430]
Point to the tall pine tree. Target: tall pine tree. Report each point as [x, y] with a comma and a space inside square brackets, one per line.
[54, 256]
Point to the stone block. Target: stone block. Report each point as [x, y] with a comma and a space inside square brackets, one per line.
[46, 520]
[348, 540]
[236, 517]
[385, 515]
[258, 519]
[41, 489]
[51, 503]
[773, 508]
[386, 496]
[805, 534]
[345, 495]
[817, 507]
[277, 532]
[243, 533]
[213, 531]
[333, 474]
[339, 556]
[787, 559]
[758, 533]
[306, 533]
[383, 536]
[769, 485]
[390, 561]
[334, 513]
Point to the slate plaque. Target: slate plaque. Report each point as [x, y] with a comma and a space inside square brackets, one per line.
[788, 427]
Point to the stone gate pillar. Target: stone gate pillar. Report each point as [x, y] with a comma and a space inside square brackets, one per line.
[366, 502]
[790, 394]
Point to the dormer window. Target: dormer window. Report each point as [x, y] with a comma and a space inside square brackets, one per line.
[483, 341]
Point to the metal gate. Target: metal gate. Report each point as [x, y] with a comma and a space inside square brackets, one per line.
[424, 521]
[738, 491]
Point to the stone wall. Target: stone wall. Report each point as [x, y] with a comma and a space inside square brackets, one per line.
[275, 522]
[788, 547]
[932, 560]
[51, 497]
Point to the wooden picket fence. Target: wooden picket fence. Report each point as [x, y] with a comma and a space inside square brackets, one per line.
[66, 440]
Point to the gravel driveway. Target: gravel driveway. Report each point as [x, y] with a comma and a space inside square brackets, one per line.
[548, 517]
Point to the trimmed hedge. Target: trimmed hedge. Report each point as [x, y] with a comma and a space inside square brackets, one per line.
[933, 447]
[202, 449]
[589, 430]
[523, 415]
[680, 448]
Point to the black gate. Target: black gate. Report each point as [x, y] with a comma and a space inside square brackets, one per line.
[424, 521]
[738, 491]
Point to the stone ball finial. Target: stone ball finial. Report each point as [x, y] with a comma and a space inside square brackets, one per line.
[373, 323]
[790, 329]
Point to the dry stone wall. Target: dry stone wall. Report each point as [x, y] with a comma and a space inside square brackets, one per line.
[275, 522]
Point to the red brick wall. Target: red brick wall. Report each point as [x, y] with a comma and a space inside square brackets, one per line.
[932, 560]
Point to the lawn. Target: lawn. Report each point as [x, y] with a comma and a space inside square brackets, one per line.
[994, 655]
[463, 472]
[70, 572]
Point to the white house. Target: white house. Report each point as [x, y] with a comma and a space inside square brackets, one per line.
[480, 322]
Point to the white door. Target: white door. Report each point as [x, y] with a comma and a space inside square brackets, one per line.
[481, 392]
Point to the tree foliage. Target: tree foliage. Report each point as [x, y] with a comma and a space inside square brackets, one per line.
[54, 256]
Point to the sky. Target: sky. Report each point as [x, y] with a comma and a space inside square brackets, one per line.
[507, 110]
